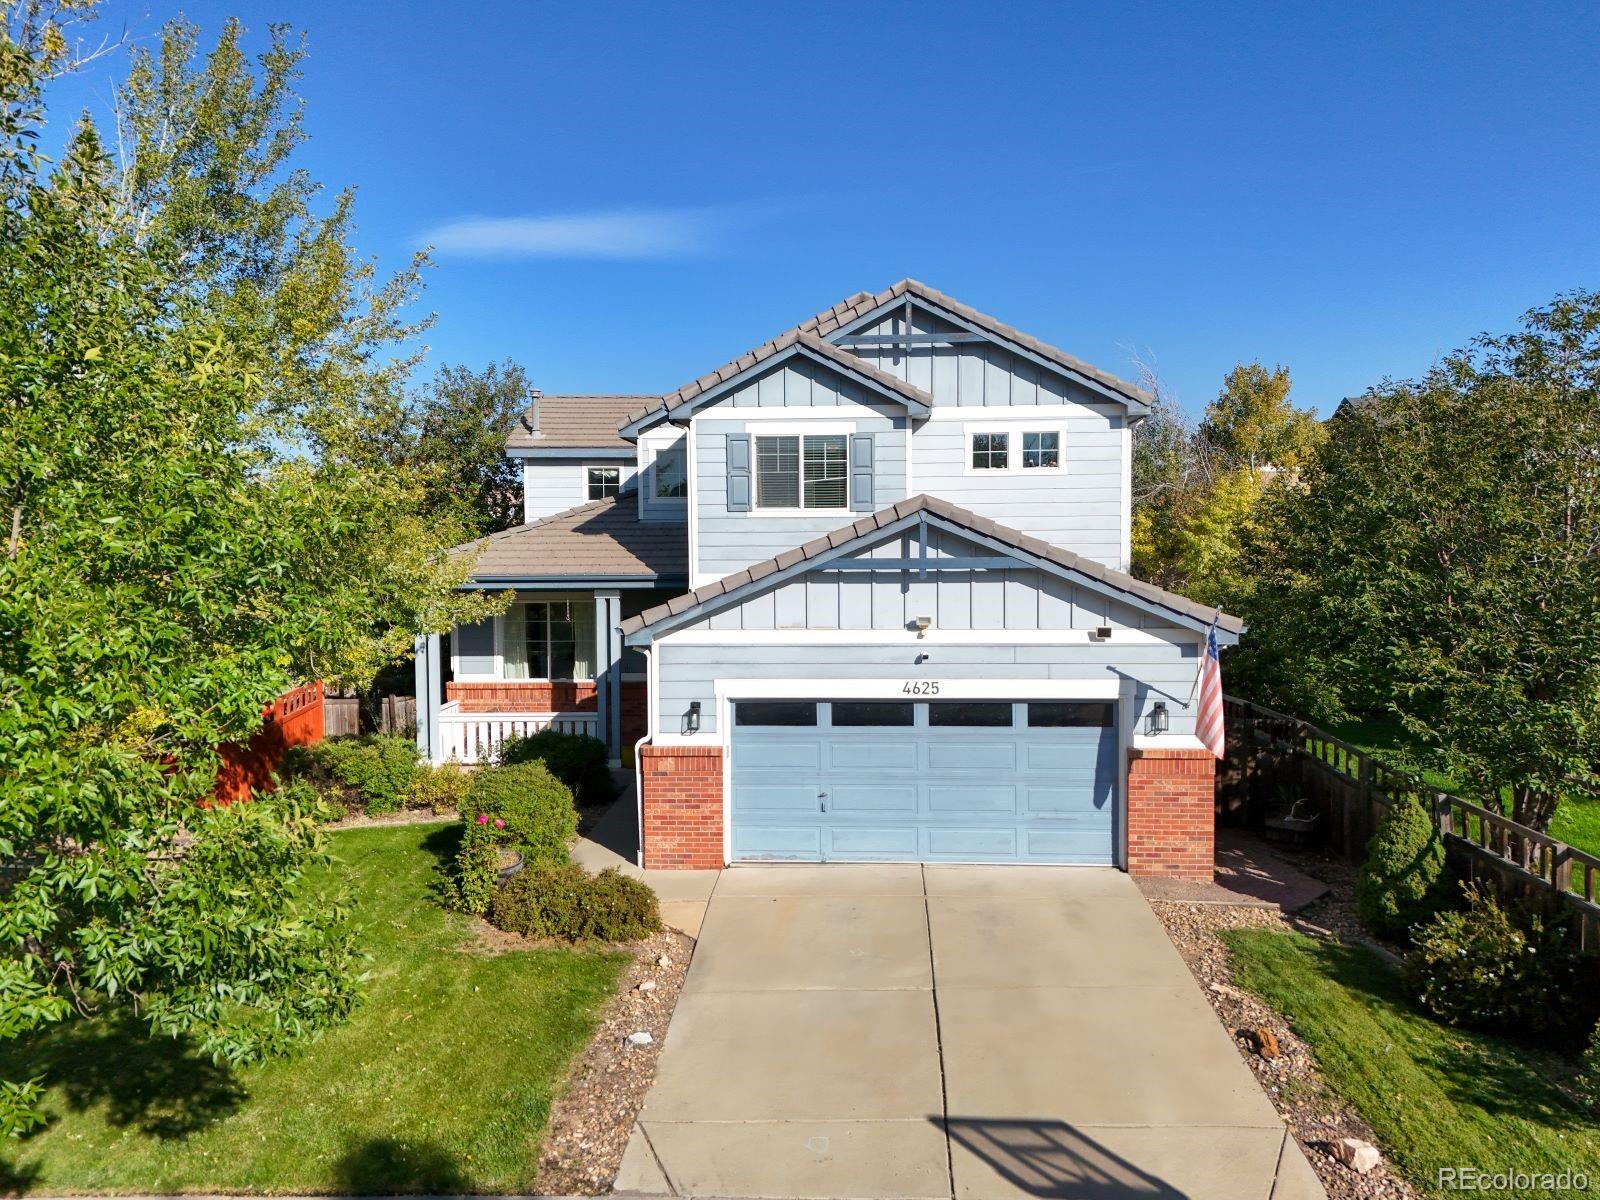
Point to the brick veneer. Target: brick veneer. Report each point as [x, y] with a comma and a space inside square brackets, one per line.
[1171, 813]
[533, 696]
[682, 804]
[635, 711]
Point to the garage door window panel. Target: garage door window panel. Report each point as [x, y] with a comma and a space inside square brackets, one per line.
[1070, 714]
[850, 714]
[791, 713]
[954, 714]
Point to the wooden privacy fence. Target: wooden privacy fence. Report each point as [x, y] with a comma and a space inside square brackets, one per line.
[1276, 759]
[293, 719]
[390, 714]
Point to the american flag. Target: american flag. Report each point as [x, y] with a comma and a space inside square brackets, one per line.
[1208, 723]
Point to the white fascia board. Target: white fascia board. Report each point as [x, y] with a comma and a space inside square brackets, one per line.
[890, 688]
[934, 637]
[536, 452]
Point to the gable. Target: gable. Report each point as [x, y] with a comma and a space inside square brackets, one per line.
[963, 356]
[969, 369]
[1014, 599]
[858, 550]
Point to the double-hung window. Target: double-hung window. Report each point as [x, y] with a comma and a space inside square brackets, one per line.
[603, 481]
[550, 639]
[802, 471]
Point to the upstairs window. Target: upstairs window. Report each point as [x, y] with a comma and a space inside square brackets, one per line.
[1041, 449]
[991, 451]
[603, 482]
[810, 471]
[671, 473]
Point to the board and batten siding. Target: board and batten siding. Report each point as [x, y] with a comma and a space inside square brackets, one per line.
[725, 541]
[982, 386]
[551, 486]
[1162, 661]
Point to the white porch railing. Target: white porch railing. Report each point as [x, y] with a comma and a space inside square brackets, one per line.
[476, 737]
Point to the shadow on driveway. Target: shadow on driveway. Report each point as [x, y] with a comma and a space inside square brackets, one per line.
[1053, 1159]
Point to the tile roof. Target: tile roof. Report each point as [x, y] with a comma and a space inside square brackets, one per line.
[1119, 581]
[573, 422]
[603, 538]
[842, 359]
[852, 309]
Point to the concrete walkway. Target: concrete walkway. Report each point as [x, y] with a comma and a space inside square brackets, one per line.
[908, 1031]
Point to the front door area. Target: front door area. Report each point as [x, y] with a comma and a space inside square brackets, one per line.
[869, 780]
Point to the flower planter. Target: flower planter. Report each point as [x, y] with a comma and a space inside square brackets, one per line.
[510, 862]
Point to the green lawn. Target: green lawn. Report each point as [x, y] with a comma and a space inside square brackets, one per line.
[1437, 1096]
[1577, 820]
[441, 1081]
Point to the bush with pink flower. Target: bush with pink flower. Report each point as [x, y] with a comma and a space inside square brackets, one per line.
[521, 807]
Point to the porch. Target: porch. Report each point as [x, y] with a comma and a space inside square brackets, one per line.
[553, 660]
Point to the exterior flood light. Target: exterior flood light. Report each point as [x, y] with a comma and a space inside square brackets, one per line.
[691, 718]
[923, 624]
[1158, 717]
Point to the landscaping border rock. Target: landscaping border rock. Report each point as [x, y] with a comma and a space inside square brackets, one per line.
[1314, 1114]
[589, 1125]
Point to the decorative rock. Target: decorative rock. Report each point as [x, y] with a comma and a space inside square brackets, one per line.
[646, 985]
[1223, 989]
[1263, 1041]
[663, 961]
[1356, 1154]
[641, 1038]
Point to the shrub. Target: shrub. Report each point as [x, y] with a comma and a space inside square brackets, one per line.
[1588, 1081]
[1511, 971]
[562, 900]
[441, 788]
[576, 759]
[375, 771]
[477, 870]
[1399, 884]
[537, 809]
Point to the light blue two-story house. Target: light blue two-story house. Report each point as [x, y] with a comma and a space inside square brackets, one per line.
[860, 594]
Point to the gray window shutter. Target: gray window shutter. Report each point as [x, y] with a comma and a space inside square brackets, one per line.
[739, 491]
[475, 648]
[861, 497]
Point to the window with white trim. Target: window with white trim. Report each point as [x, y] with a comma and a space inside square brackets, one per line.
[549, 640]
[803, 471]
[991, 451]
[1015, 450]
[603, 481]
[1041, 448]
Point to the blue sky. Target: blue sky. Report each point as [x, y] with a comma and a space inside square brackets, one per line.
[625, 196]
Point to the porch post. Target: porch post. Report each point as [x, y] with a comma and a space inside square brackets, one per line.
[428, 698]
[608, 671]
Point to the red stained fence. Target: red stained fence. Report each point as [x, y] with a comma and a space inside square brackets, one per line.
[293, 719]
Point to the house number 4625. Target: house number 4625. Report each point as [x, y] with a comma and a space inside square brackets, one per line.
[921, 687]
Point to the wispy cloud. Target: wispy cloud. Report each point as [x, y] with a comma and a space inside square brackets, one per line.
[615, 234]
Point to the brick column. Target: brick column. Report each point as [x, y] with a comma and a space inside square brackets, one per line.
[682, 805]
[1171, 813]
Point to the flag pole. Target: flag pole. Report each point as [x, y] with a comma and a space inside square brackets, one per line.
[1195, 686]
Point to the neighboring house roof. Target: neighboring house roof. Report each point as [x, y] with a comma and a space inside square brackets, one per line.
[604, 539]
[785, 345]
[1118, 584]
[573, 422]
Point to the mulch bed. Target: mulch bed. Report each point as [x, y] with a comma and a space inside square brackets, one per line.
[1313, 1113]
[590, 1123]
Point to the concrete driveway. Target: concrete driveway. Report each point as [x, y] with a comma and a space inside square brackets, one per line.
[905, 1031]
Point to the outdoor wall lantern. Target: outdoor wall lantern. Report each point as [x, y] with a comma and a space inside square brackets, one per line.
[691, 718]
[1158, 717]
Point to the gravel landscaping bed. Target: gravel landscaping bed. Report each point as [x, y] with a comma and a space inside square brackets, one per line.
[590, 1124]
[1317, 1118]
